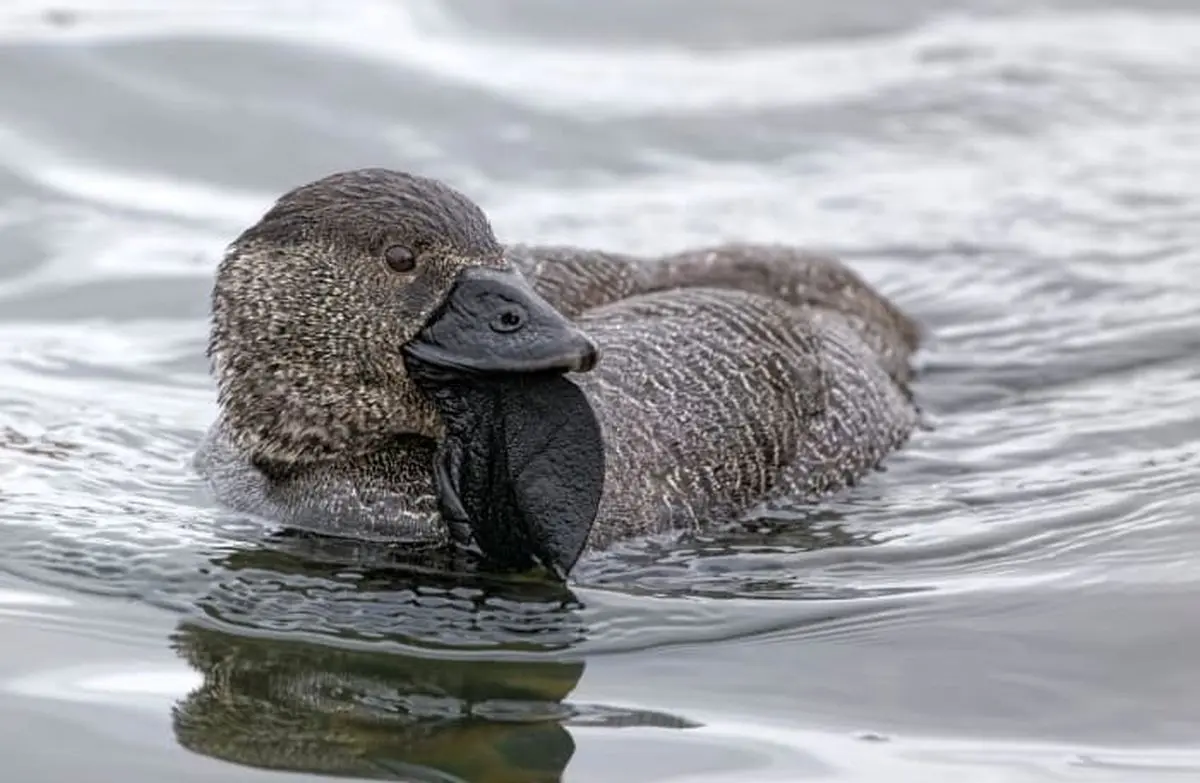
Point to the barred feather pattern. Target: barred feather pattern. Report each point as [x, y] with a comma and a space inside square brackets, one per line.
[712, 401]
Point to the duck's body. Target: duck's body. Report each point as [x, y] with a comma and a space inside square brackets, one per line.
[712, 401]
[728, 377]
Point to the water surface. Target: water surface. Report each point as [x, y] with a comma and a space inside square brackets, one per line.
[1013, 599]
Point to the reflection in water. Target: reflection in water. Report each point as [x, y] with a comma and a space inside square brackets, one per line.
[300, 706]
[388, 709]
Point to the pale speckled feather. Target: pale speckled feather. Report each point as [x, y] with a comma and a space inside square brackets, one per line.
[729, 375]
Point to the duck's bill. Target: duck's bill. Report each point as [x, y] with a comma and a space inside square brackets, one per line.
[494, 322]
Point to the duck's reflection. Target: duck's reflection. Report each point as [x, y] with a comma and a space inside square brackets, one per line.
[402, 707]
[300, 706]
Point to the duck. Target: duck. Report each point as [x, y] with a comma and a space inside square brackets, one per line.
[386, 369]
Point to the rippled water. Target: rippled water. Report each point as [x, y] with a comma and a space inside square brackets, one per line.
[1012, 600]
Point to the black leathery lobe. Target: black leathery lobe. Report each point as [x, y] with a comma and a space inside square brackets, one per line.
[521, 463]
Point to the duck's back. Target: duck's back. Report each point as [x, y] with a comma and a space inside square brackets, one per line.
[712, 400]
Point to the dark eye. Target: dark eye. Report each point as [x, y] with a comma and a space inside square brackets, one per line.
[400, 259]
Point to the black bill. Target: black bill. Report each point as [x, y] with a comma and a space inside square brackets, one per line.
[494, 322]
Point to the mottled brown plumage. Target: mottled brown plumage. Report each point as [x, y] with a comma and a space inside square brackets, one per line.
[308, 323]
[729, 375]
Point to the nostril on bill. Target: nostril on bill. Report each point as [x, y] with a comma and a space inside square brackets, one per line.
[509, 319]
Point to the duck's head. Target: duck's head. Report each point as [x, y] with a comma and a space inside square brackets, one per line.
[315, 306]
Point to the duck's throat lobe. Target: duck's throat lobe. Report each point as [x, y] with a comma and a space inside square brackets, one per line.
[522, 465]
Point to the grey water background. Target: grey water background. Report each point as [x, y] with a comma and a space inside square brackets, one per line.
[1016, 598]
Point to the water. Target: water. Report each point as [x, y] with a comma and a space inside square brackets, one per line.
[1012, 600]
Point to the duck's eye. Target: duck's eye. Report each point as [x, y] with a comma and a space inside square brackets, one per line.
[400, 259]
